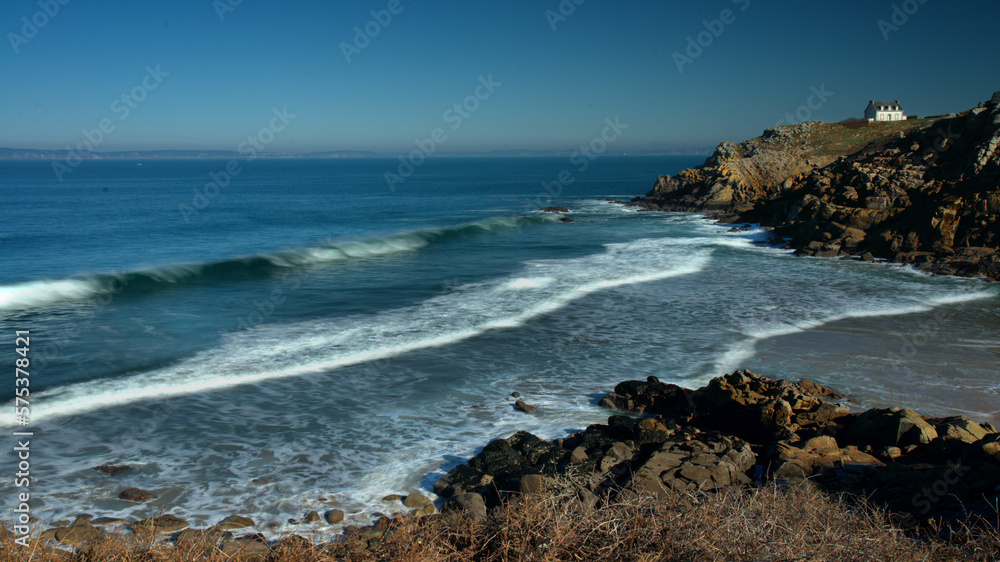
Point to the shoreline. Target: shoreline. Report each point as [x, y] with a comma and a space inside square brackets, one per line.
[310, 530]
[754, 429]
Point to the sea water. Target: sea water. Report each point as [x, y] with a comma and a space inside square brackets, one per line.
[303, 336]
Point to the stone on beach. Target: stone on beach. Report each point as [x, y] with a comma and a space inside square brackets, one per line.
[235, 522]
[335, 516]
[136, 495]
[416, 499]
[159, 525]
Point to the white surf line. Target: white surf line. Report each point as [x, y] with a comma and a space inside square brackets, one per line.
[35, 294]
[99, 395]
[743, 350]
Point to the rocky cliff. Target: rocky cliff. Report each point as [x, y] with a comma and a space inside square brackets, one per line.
[737, 174]
[930, 198]
[922, 192]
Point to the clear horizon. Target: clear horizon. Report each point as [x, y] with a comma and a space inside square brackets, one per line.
[389, 76]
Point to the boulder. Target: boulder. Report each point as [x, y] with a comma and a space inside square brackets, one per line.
[235, 522]
[312, 517]
[77, 532]
[199, 538]
[112, 470]
[335, 516]
[136, 495]
[416, 500]
[473, 504]
[246, 547]
[651, 397]
[533, 484]
[160, 525]
[555, 209]
[692, 465]
[578, 455]
[960, 428]
[889, 428]
[521, 406]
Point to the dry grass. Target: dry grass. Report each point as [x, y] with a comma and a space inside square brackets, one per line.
[841, 139]
[760, 524]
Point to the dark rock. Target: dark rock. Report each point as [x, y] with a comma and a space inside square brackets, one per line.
[498, 457]
[136, 495]
[77, 532]
[533, 484]
[960, 428]
[566, 219]
[235, 522]
[416, 500]
[199, 538]
[473, 504]
[521, 406]
[159, 525]
[335, 516]
[555, 209]
[889, 428]
[112, 470]
[246, 547]
[312, 517]
[667, 400]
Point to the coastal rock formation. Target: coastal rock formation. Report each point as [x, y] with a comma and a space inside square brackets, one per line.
[737, 175]
[739, 429]
[924, 192]
[930, 198]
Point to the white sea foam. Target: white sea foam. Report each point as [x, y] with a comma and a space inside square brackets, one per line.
[740, 351]
[41, 293]
[36, 294]
[313, 347]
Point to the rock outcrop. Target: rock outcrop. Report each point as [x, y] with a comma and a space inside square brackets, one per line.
[924, 192]
[930, 199]
[740, 429]
[737, 175]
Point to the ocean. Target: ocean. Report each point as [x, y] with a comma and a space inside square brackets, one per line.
[295, 335]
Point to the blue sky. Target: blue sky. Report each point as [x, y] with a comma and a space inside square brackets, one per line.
[559, 79]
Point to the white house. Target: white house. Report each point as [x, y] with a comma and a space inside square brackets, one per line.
[884, 111]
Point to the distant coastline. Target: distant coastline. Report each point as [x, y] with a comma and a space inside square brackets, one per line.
[37, 154]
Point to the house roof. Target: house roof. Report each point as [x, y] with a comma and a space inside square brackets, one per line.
[878, 103]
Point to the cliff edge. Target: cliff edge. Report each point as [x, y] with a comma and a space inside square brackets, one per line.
[924, 192]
